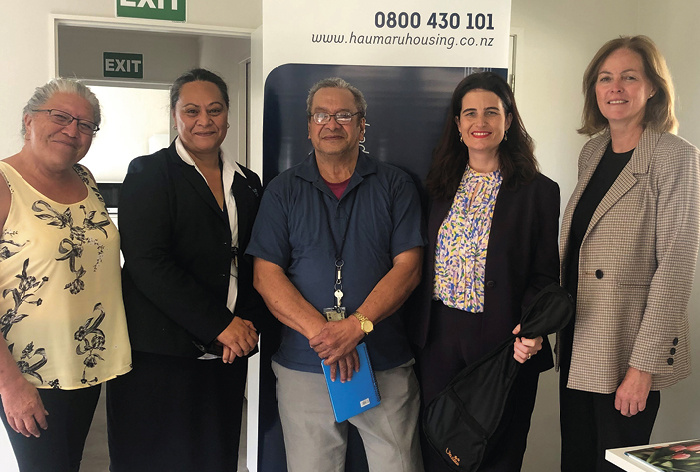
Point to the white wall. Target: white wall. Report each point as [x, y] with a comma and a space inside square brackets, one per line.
[110, 153]
[673, 26]
[164, 56]
[557, 41]
[223, 56]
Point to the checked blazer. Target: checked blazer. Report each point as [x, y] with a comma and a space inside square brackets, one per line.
[636, 265]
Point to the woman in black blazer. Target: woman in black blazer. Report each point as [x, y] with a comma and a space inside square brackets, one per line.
[492, 225]
[185, 217]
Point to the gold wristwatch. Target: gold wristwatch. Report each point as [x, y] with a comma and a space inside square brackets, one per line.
[365, 324]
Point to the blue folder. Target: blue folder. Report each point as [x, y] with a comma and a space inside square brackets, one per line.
[357, 395]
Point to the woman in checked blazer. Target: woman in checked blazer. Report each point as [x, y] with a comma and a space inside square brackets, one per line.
[629, 244]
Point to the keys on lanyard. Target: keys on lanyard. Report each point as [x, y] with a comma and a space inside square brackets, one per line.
[338, 294]
[337, 312]
[338, 286]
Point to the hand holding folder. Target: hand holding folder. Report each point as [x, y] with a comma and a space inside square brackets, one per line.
[354, 396]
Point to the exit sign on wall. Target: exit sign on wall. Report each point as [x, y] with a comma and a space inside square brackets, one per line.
[122, 65]
[170, 10]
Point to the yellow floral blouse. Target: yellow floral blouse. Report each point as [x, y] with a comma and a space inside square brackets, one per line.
[61, 310]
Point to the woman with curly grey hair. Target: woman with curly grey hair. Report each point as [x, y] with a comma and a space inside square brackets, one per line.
[62, 321]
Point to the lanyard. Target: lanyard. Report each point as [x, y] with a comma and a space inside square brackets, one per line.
[339, 262]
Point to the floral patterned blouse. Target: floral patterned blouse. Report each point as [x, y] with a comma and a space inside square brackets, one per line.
[61, 311]
[460, 252]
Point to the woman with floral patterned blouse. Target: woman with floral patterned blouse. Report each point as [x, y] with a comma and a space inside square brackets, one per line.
[62, 323]
[492, 231]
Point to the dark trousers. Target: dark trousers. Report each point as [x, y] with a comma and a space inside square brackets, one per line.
[176, 414]
[590, 424]
[60, 447]
[455, 343]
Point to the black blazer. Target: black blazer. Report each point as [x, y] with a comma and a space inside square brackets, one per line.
[176, 243]
[522, 258]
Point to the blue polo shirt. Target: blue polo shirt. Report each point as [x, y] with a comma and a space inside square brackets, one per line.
[380, 216]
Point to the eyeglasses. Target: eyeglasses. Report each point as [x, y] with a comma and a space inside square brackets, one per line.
[64, 119]
[342, 118]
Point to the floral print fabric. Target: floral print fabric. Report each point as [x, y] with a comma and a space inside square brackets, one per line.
[61, 311]
[460, 252]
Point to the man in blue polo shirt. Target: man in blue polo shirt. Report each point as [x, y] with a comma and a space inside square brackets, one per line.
[338, 247]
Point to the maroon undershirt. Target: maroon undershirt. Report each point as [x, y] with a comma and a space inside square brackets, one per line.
[338, 188]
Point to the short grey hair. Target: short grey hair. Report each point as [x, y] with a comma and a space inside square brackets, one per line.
[337, 82]
[61, 85]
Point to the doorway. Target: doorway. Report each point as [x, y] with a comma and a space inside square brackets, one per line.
[127, 129]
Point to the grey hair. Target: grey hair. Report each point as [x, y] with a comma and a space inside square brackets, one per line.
[337, 82]
[61, 85]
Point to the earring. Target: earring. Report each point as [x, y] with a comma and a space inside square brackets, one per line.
[505, 136]
[460, 138]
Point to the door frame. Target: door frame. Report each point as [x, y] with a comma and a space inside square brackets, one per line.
[157, 26]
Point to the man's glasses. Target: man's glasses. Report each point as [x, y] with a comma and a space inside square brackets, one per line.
[64, 119]
[342, 118]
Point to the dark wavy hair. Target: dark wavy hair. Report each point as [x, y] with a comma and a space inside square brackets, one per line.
[194, 75]
[450, 157]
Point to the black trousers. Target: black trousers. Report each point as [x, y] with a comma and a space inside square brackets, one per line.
[590, 424]
[454, 343]
[60, 447]
[176, 414]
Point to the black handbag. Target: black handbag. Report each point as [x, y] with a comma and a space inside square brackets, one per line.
[459, 422]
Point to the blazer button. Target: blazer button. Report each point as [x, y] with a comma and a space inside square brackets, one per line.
[675, 341]
[598, 274]
[490, 284]
[670, 361]
[673, 351]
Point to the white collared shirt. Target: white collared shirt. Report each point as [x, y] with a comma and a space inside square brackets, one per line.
[228, 172]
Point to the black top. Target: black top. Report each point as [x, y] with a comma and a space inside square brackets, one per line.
[609, 168]
[521, 259]
[176, 242]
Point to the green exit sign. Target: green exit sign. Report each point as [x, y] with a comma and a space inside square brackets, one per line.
[169, 10]
[123, 65]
